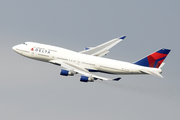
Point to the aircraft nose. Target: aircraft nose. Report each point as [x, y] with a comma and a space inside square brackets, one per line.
[14, 48]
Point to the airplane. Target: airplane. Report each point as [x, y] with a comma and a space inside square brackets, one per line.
[90, 60]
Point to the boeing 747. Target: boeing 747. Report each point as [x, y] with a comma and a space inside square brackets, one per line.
[90, 60]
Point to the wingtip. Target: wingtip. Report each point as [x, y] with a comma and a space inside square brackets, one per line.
[122, 37]
[117, 79]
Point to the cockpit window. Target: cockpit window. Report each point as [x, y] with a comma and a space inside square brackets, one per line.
[24, 43]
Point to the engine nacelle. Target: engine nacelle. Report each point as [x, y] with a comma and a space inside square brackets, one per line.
[66, 73]
[86, 79]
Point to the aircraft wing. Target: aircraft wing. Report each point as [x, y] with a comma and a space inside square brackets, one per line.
[102, 49]
[78, 69]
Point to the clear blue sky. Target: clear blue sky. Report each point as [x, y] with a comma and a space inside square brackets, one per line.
[33, 90]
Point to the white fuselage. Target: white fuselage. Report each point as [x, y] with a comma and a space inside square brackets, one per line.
[46, 53]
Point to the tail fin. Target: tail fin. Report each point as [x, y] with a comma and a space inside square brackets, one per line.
[155, 59]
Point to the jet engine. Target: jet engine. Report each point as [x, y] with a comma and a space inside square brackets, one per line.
[86, 79]
[66, 73]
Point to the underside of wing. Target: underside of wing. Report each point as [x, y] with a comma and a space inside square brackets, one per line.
[79, 69]
[102, 49]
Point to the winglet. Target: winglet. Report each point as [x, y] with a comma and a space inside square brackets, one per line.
[86, 48]
[116, 79]
[122, 37]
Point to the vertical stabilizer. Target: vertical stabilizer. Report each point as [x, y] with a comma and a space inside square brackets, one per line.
[155, 59]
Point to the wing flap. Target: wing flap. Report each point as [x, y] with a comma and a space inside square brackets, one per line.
[102, 53]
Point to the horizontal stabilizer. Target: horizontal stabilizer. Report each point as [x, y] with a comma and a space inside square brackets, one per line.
[152, 73]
